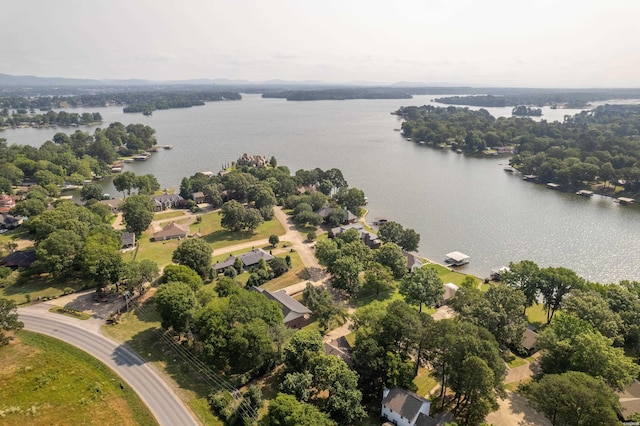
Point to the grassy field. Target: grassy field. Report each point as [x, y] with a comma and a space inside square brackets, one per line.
[168, 215]
[424, 381]
[44, 381]
[447, 276]
[139, 329]
[211, 231]
[537, 316]
[44, 287]
[297, 273]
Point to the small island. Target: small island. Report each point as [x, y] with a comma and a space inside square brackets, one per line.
[525, 111]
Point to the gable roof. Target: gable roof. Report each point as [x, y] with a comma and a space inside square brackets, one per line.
[252, 257]
[166, 198]
[291, 308]
[413, 259]
[172, 230]
[128, 239]
[404, 402]
[529, 339]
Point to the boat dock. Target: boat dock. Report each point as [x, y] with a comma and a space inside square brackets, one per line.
[455, 258]
[585, 193]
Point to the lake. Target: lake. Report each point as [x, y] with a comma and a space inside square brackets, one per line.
[455, 202]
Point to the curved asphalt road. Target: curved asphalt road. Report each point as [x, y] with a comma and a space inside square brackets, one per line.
[161, 400]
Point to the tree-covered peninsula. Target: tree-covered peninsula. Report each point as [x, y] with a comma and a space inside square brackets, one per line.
[598, 145]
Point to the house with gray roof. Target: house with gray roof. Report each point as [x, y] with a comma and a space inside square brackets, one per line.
[128, 240]
[402, 407]
[253, 257]
[221, 266]
[369, 239]
[167, 201]
[414, 260]
[324, 214]
[296, 315]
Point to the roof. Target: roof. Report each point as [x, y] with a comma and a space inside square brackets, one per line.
[450, 290]
[457, 256]
[291, 308]
[114, 203]
[172, 230]
[630, 399]
[529, 339]
[340, 229]
[128, 239]
[17, 259]
[167, 197]
[225, 263]
[198, 195]
[413, 259]
[404, 402]
[254, 256]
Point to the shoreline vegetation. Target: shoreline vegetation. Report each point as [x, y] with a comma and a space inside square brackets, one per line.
[597, 150]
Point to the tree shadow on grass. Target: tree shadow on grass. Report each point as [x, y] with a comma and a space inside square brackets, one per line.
[228, 236]
[152, 345]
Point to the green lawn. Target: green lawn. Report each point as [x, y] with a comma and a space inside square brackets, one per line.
[42, 286]
[537, 316]
[297, 273]
[44, 381]
[447, 276]
[424, 381]
[168, 215]
[139, 329]
[15, 235]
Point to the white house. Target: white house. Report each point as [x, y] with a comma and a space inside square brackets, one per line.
[403, 408]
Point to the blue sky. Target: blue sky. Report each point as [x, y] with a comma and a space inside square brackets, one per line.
[560, 43]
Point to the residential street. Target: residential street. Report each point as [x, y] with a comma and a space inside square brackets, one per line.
[154, 392]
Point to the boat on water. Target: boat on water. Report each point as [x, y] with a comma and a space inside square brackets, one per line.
[585, 193]
[168, 147]
[458, 151]
[509, 169]
[141, 157]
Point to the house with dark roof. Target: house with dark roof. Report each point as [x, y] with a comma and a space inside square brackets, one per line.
[402, 407]
[221, 266]
[324, 214]
[8, 221]
[248, 259]
[171, 231]
[19, 259]
[253, 257]
[128, 240]
[530, 341]
[369, 239]
[296, 315]
[167, 201]
[338, 347]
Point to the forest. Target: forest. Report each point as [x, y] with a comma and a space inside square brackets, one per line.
[603, 143]
[59, 118]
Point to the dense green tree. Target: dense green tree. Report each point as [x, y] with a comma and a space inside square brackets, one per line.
[302, 349]
[92, 191]
[58, 251]
[345, 274]
[137, 213]
[593, 308]
[278, 266]
[251, 219]
[523, 276]
[390, 255]
[474, 395]
[423, 286]
[378, 278]
[298, 385]
[8, 320]
[498, 310]
[574, 398]
[409, 240]
[274, 240]
[352, 199]
[327, 251]
[125, 182]
[100, 257]
[321, 303]
[232, 216]
[185, 188]
[182, 273]
[176, 303]
[286, 410]
[554, 285]
[29, 208]
[147, 184]
[336, 217]
[194, 253]
[390, 232]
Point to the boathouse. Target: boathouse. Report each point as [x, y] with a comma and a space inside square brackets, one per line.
[455, 258]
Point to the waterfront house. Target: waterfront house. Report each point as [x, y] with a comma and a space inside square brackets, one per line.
[198, 197]
[414, 260]
[296, 315]
[167, 201]
[369, 239]
[455, 258]
[8, 221]
[339, 347]
[496, 273]
[450, 290]
[402, 407]
[324, 214]
[114, 205]
[171, 231]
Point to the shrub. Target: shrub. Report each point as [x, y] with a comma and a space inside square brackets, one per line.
[311, 236]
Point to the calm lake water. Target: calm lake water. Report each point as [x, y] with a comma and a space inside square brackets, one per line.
[455, 202]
